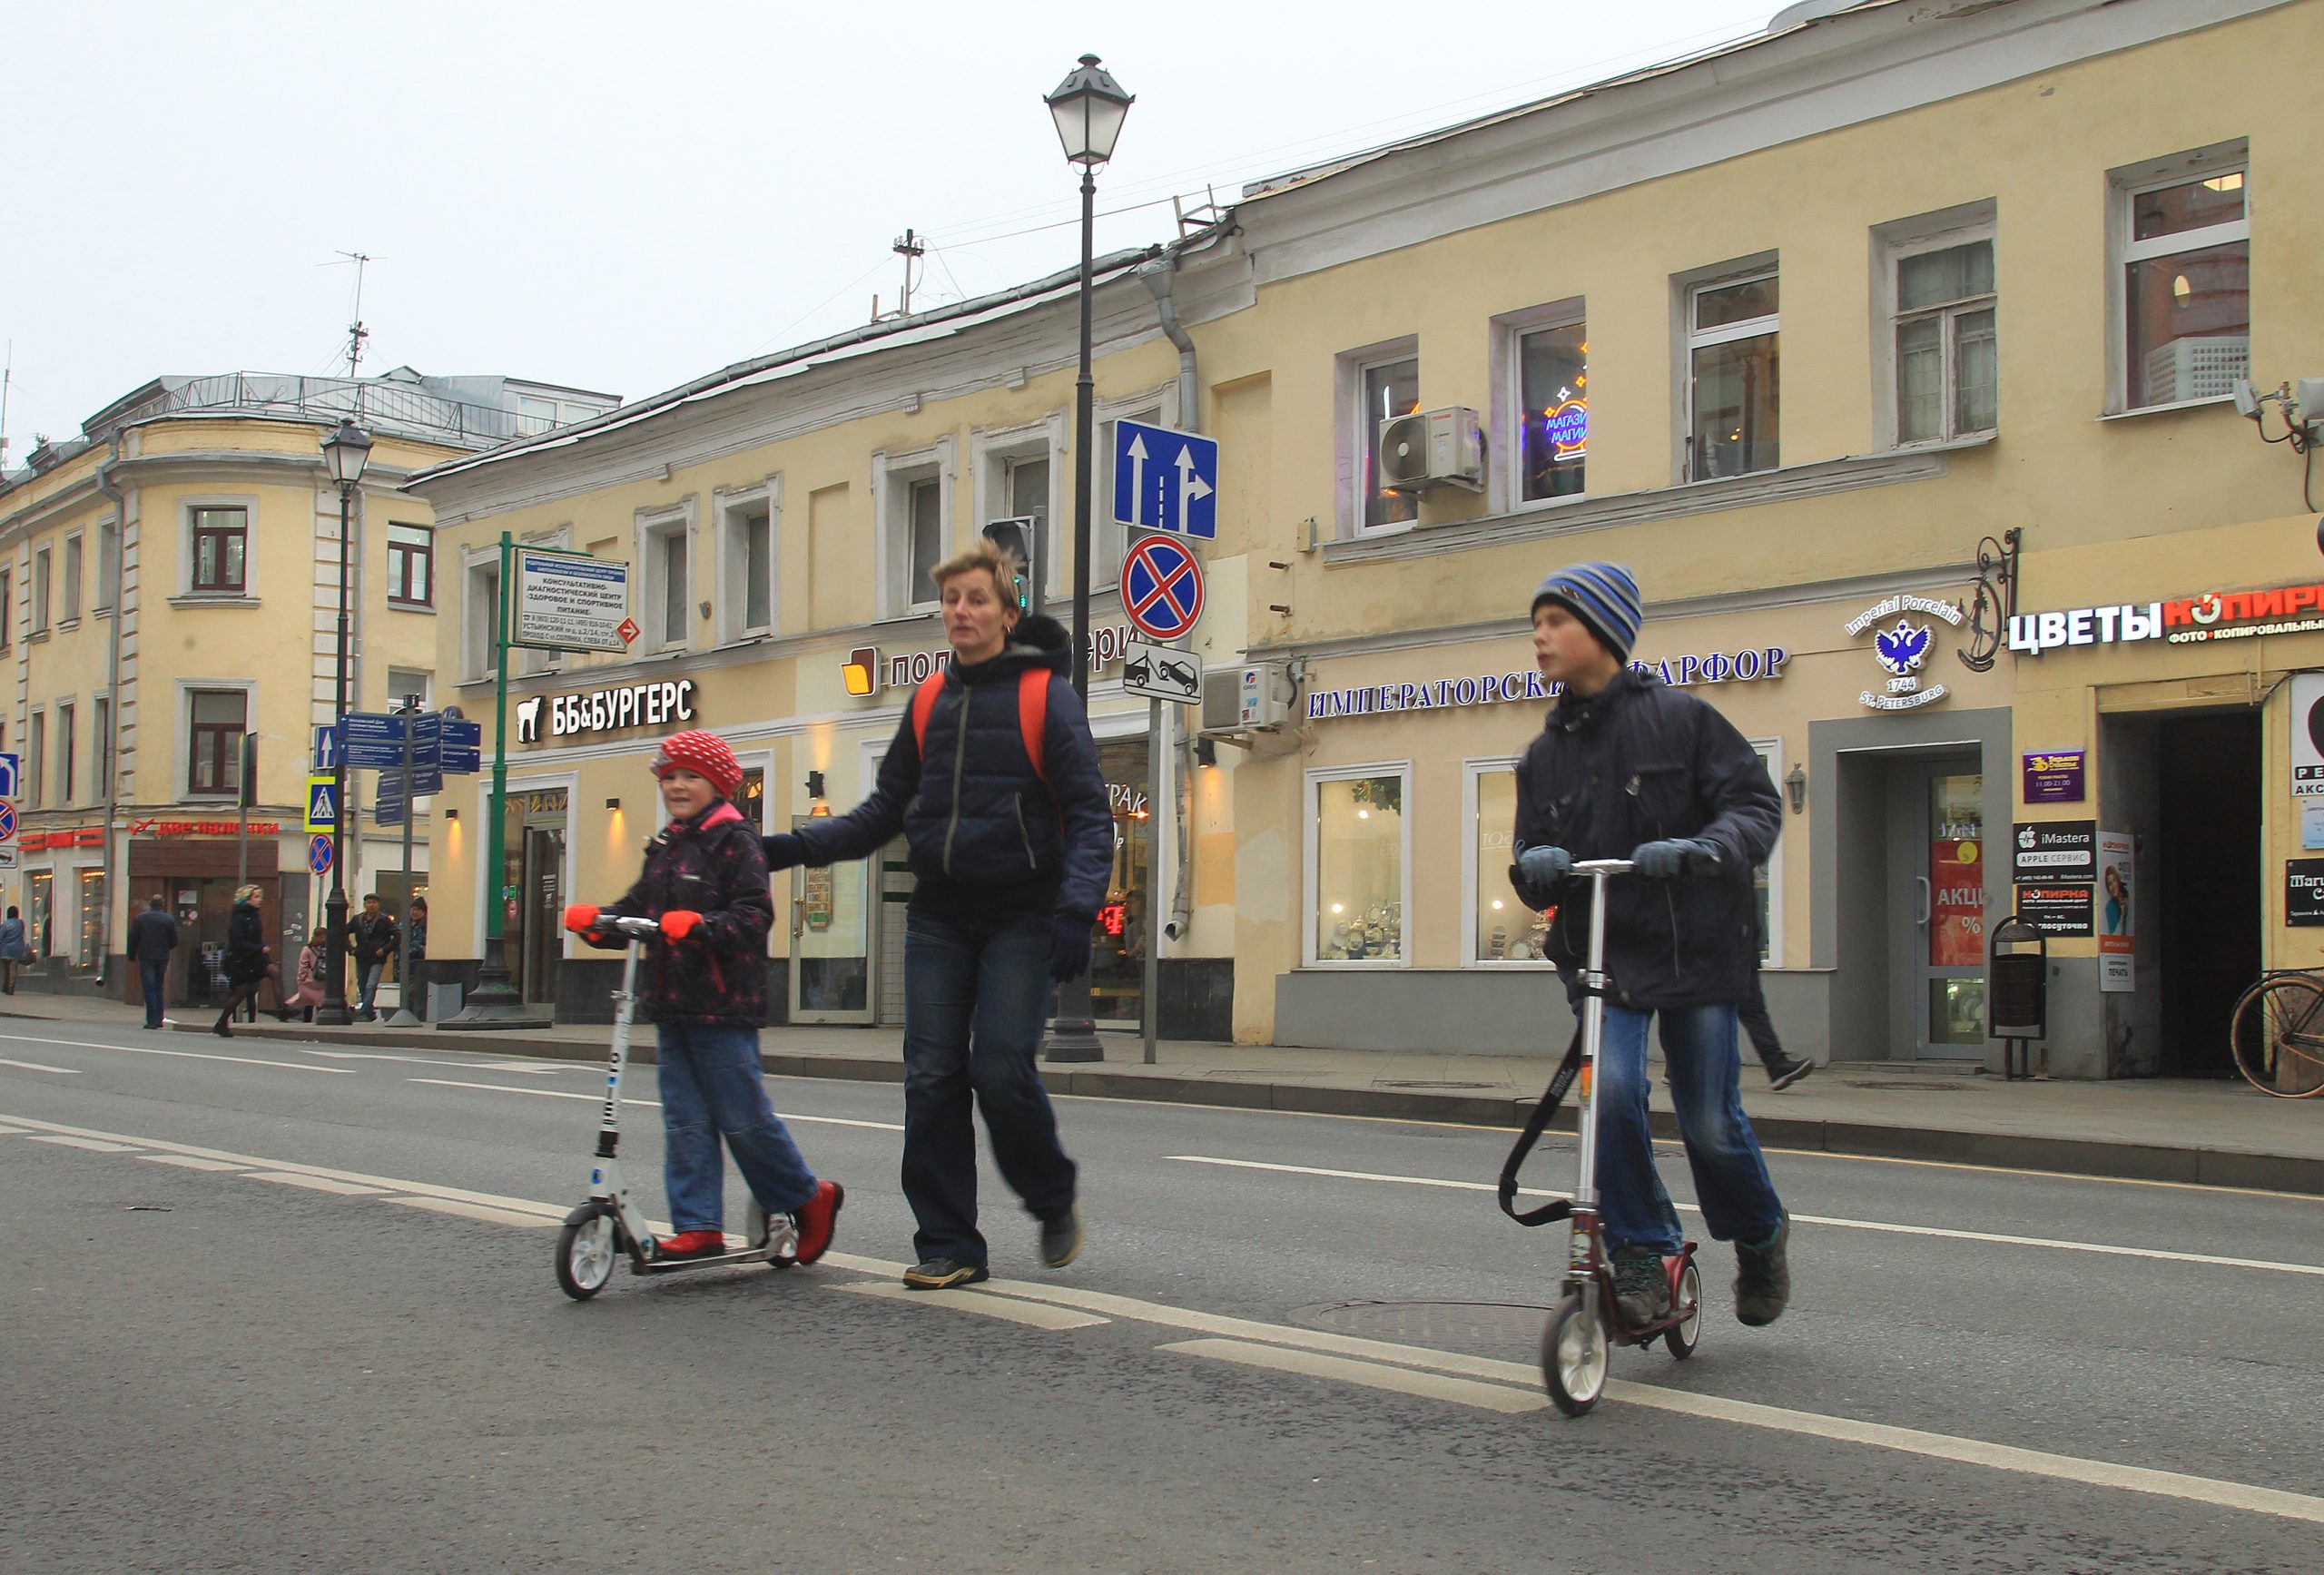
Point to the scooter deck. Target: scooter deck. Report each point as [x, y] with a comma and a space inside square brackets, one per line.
[706, 1261]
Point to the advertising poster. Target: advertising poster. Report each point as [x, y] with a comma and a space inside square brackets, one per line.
[2055, 777]
[1956, 932]
[2061, 909]
[2304, 892]
[2117, 929]
[2049, 851]
[2307, 735]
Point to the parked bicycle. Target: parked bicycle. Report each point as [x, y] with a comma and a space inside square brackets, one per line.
[2277, 1033]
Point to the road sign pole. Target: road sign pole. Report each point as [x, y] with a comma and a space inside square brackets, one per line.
[1158, 735]
[404, 1016]
[332, 1011]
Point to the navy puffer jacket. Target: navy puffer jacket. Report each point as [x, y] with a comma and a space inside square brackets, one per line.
[986, 834]
[711, 865]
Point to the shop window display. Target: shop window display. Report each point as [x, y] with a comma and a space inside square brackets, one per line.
[1506, 930]
[1359, 869]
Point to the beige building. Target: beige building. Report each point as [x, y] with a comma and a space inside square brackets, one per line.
[1853, 340]
[169, 582]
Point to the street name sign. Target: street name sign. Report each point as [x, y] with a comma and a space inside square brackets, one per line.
[371, 741]
[463, 746]
[570, 602]
[1162, 672]
[1165, 481]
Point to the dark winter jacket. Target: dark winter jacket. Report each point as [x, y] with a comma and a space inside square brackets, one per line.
[1640, 761]
[152, 936]
[375, 938]
[987, 835]
[713, 865]
[246, 957]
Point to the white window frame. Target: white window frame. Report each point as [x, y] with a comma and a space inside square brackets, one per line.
[892, 476]
[75, 564]
[67, 712]
[182, 718]
[36, 757]
[1473, 878]
[1506, 478]
[1689, 286]
[434, 567]
[1894, 244]
[990, 454]
[187, 508]
[1770, 750]
[427, 687]
[2125, 186]
[476, 653]
[43, 587]
[104, 755]
[1354, 426]
[655, 528]
[108, 567]
[729, 591]
[1310, 801]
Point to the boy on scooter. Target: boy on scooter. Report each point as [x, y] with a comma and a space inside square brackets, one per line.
[705, 882]
[1627, 767]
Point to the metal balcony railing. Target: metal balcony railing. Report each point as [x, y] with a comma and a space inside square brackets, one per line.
[372, 404]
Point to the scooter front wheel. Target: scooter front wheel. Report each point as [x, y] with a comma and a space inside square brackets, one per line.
[1682, 1336]
[1575, 1354]
[585, 1250]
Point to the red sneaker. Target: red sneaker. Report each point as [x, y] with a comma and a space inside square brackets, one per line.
[817, 1219]
[691, 1244]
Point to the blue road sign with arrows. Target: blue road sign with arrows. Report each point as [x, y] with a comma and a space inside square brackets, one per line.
[10, 769]
[326, 749]
[1165, 481]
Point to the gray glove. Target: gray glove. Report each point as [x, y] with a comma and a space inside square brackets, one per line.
[1668, 860]
[1543, 868]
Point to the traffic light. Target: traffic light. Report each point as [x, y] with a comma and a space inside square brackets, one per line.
[1021, 540]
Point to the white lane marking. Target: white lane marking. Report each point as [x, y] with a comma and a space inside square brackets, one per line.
[433, 1061]
[187, 1055]
[188, 1162]
[1997, 1238]
[1373, 1375]
[94, 1144]
[1035, 1314]
[1813, 1425]
[649, 1104]
[12, 1131]
[314, 1183]
[484, 1212]
[36, 1067]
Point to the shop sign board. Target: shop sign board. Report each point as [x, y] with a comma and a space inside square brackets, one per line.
[2308, 736]
[866, 671]
[2117, 926]
[1903, 652]
[2056, 777]
[567, 601]
[1500, 688]
[2061, 909]
[2055, 851]
[2304, 892]
[605, 710]
[2239, 614]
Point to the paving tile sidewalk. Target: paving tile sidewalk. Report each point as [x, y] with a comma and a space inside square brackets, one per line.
[2218, 1133]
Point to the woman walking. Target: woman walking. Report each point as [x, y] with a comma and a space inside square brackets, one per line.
[249, 963]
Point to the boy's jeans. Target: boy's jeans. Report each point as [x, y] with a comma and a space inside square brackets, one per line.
[710, 1089]
[1739, 1202]
[976, 996]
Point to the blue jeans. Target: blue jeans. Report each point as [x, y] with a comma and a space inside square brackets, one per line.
[1739, 1202]
[976, 997]
[151, 973]
[371, 972]
[711, 1090]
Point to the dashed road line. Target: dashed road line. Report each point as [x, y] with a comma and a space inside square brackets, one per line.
[646, 1104]
[485, 1212]
[315, 1183]
[1371, 1374]
[37, 1066]
[94, 1144]
[185, 1055]
[188, 1162]
[1037, 1315]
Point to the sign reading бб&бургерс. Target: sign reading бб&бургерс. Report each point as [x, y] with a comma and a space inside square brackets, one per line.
[1904, 650]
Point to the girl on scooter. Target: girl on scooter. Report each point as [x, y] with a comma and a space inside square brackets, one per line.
[705, 882]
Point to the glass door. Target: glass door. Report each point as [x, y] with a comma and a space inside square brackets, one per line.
[1950, 951]
[830, 941]
[541, 946]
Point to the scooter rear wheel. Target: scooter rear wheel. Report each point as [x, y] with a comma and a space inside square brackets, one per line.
[1575, 1354]
[1682, 1336]
[585, 1250]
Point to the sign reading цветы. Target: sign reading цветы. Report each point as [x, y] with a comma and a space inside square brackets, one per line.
[569, 602]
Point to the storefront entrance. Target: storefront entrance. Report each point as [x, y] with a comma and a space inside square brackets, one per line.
[532, 891]
[830, 941]
[2211, 854]
[1946, 888]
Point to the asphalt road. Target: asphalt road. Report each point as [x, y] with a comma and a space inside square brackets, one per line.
[295, 1311]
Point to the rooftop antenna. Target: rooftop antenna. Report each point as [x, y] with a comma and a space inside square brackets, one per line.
[911, 246]
[356, 332]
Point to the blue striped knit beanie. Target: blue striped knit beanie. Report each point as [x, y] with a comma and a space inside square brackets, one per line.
[1602, 596]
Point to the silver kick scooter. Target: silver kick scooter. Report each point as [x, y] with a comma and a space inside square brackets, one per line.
[609, 1223]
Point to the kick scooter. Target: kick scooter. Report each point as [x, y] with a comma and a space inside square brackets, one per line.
[609, 1223]
[1588, 1321]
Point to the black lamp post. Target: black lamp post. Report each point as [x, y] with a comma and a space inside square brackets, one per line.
[345, 453]
[1089, 107]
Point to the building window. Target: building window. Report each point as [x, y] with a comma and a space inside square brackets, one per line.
[93, 916]
[41, 578]
[1948, 360]
[7, 608]
[72, 580]
[407, 681]
[220, 538]
[480, 617]
[668, 585]
[2185, 248]
[752, 801]
[66, 789]
[108, 564]
[1025, 495]
[926, 515]
[1382, 389]
[101, 746]
[535, 416]
[1554, 410]
[1731, 376]
[36, 759]
[1500, 928]
[411, 565]
[1359, 865]
[40, 886]
[216, 721]
[746, 597]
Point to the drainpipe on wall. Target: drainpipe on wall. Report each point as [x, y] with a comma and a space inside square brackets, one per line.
[112, 688]
[1159, 275]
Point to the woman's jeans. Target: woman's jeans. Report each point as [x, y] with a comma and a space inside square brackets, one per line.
[711, 1090]
[1731, 1185]
[976, 997]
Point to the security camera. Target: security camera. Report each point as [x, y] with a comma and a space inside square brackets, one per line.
[2247, 400]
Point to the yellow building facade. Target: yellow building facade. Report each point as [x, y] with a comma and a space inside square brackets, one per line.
[1854, 341]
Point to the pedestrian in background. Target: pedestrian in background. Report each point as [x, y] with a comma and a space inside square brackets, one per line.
[415, 955]
[14, 951]
[1783, 1070]
[248, 964]
[314, 960]
[1011, 851]
[375, 933]
[152, 936]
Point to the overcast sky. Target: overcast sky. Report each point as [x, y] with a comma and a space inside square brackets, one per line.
[623, 196]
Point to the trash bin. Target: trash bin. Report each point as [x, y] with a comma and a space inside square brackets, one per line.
[443, 1001]
[2017, 989]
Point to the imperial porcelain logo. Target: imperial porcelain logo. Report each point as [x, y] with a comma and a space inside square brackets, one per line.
[1903, 650]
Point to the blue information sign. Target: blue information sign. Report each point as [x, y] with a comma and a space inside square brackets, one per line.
[463, 746]
[1165, 481]
[370, 743]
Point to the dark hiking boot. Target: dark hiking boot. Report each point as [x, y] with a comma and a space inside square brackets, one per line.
[1763, 1278]
[1061, 1237]
[943, 1274]
[1641, 1287]
[1786, 1071]
[817, 1219]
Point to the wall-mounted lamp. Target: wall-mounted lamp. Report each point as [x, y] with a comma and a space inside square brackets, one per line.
[1797, 785]
[613, 804]
[815, 784]
[452, 814]
[1205, 751]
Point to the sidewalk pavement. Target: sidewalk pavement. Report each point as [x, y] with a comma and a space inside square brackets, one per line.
[2217, 1132]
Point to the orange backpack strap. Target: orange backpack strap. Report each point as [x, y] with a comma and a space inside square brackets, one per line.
[1033, 716]
[923, 703]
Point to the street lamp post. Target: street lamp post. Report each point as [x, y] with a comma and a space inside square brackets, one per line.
[345, 453]
[1089, 107]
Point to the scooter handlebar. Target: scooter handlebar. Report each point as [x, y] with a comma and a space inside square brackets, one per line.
[635, 929]
[1603, 867]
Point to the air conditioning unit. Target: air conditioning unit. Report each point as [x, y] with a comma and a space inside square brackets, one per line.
[1429, 449]
[1240, 700]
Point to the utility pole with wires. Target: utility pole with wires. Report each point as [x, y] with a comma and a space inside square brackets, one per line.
[911, 246]
[356, 332]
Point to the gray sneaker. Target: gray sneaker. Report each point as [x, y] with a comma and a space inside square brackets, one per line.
[1763, 1278]
[1061, 1237]
[1642, 1288]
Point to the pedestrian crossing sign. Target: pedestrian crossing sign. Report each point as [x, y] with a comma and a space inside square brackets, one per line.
[323, 804]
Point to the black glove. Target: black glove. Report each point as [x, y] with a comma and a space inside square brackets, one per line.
[1069, 947]
[1666, 861]
[784, 851]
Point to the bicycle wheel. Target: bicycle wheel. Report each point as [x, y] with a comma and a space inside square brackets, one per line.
[2278, 1036]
